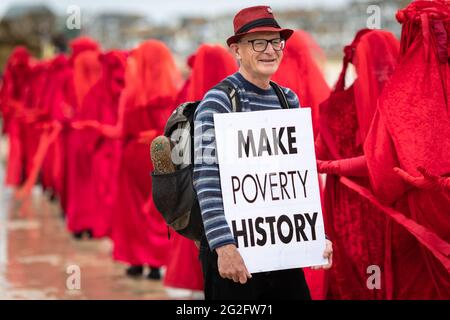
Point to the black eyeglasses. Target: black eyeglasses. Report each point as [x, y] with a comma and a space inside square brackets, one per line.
[260, 45]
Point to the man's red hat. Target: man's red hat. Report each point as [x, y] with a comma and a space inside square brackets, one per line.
[255, 19]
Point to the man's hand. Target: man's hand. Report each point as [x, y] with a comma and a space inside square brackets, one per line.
[231, 265]
[327, 254]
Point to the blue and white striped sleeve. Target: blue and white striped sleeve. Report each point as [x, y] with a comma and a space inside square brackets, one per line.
[206, 176]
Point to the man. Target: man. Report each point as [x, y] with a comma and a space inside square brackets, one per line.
[257, 45]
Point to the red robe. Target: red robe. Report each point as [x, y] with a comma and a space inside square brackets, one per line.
[55, 102]
[14, 92]
[32, 114]
[355, 226]
[66, 113]
[96, 157]
[140, 236]
[411, 128]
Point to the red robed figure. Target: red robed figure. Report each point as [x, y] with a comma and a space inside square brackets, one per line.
[13, 95]
[97, 157]
[300, 72]
[411, 128]
[355, 226]
[61, 103]
[152, 81]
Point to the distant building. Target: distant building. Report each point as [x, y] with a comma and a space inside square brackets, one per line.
[117, 30]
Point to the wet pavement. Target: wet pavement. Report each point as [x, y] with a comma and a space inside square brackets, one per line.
[40, 260]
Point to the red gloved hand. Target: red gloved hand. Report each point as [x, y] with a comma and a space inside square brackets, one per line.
[356, 167]
[328, 167]
[85, 124]
[427, 181]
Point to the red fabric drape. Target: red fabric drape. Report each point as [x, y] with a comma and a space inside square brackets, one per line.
[411, 128]
[183, 268]
[355, 226]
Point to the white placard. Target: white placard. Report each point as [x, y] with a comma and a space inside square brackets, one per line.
[270, 187]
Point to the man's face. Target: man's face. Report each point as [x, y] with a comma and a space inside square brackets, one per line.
[263, 63]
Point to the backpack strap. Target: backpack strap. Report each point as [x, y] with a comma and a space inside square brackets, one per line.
[280, 94]
[232, 93]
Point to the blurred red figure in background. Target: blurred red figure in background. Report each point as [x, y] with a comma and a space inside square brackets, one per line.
[31, 113]
[59, 167]
[96, 156]
[300, 72]
[86, 72]
[13, 95]
[356, 227]
[56, 99]
[210, 65]
[138, 232]
[152, 81]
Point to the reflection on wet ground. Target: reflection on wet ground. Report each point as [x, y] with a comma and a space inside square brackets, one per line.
[40, 260]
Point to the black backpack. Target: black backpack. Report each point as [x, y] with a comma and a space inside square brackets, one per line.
[173, 194]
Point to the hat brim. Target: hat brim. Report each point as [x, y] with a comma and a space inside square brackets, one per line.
[284, 33]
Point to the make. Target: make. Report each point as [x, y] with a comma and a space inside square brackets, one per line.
[270, 143]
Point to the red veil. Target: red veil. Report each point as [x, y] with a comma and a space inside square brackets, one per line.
[212, 64]
[354, 225]
[299, 71]
[86, 72]
[184, 269]
[411, 128]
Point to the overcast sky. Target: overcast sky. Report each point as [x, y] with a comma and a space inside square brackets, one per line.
[165, 9]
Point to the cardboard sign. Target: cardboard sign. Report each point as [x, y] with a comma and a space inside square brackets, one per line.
[270, 187]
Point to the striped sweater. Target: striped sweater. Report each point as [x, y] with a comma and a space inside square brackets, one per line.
[206, 170]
